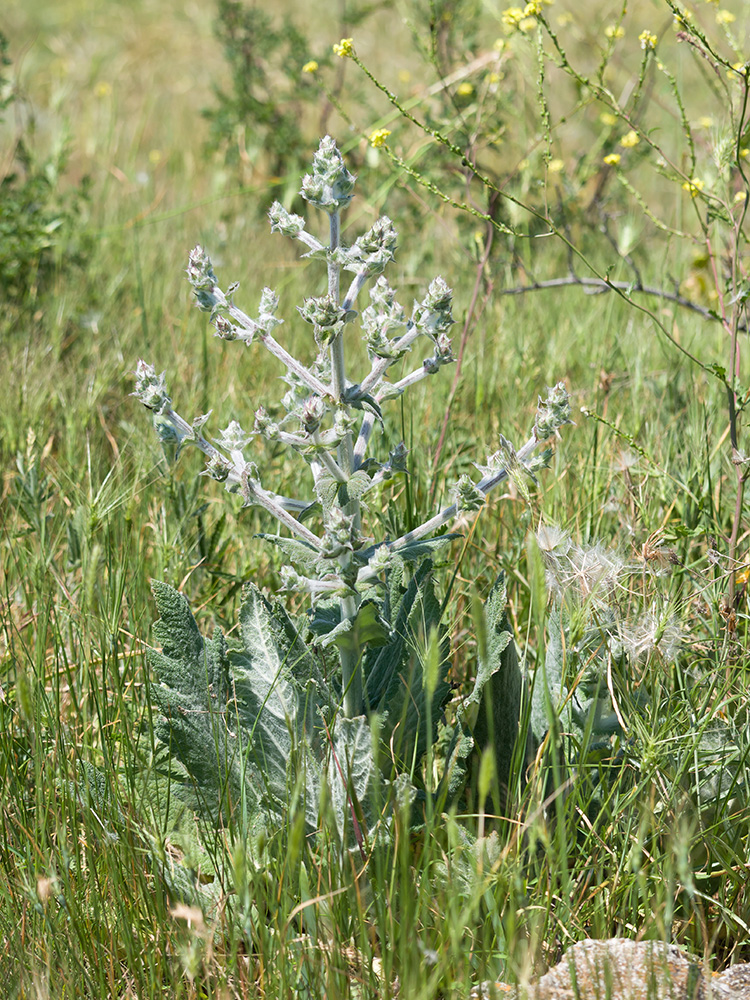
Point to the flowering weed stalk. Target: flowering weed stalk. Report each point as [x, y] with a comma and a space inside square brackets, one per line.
[329, 416]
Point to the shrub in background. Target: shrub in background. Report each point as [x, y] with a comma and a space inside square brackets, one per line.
[39, 220]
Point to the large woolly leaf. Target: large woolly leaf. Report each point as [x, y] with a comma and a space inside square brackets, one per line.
[490, 716]
[353, 779]
[366, 628]
[300, 552]
[241, 725]
[394, 673]
[499, 674]
[193, 675]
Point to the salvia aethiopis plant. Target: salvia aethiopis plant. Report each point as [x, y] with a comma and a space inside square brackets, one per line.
[372, 600]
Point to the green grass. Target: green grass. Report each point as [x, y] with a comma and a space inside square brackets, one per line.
[91, 513]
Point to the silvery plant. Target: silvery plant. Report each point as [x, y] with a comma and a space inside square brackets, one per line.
[292, 703]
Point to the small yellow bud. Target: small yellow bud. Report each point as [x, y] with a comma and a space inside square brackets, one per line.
[612, 159]
[693, 187]
[614, 31]
[556, 166]
[630, 139]
[465, 89]
[310, 67]
[740, 197]
[607, 118]
[344, 48]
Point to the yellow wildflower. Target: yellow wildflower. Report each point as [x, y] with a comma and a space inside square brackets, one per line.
[607, 118]
[344, 48]
[564, 19]
[556, 166]
[630, 139]
[614, 31]
[310, 67]
[528, 24]
[648, 40]
[465, 89]
[378, 137]
[512, 17]
[705, 121]
[532, 8]
[725, 17]
[740, 196]
[693, 187]
[612, 159]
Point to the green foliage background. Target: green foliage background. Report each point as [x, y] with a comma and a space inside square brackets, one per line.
[92, 511]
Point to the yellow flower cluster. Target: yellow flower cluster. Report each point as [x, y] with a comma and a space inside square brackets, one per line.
[612, 159]
[378, 137]
[310, 67]
[523, 18]
[630, 139]
[465, 89]
[648, 40]
[693, 187]
[344, 48]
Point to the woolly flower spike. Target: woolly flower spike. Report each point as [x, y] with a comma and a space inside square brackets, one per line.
[344, 49]
[150, 388]
[330, 185]
[201, 276]
[553, 412]
[648, 40]
[378, 137]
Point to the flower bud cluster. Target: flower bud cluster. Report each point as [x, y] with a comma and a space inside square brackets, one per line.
[326, 317]
[467, 496]
[433, 315]
[330, 186]
[372, 252]
[383, 317]
[553, 412]
[443, 354]
[285, 222]
[150, 388]
[201, 276]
